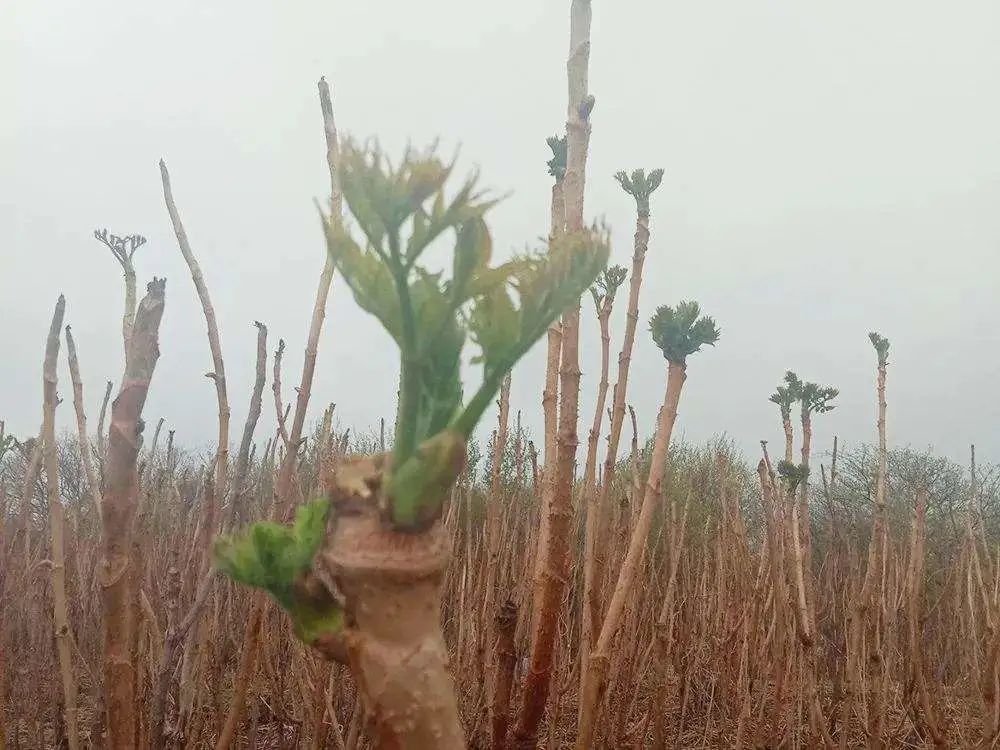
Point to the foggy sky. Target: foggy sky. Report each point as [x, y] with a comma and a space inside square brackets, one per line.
[830, 168]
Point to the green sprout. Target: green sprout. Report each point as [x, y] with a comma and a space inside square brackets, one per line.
[784, 397]
[400, 210]
[792, 474]
[679, 332]
[640, 186]
[815, 399]
[557, 164]
[881, 344]
[277, 558]
[606, 287]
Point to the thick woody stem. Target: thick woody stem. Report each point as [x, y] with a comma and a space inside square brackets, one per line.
[391, 582]
[118, 508]
[60, 609]
[599, 661]
[553, 566]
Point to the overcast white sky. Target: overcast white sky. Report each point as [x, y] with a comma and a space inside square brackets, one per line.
[830, 167]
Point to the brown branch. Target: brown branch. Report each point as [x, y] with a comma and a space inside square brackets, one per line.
[218, 375]
[57, 571]
[81, 422]
[236, 512]
[118, 509]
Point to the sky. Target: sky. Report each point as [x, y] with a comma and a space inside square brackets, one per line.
[831, 168]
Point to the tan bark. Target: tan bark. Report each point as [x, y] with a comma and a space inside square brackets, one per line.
[86, 455]
[590, 613]
[779, 590]
[218, 374]
[391, 583]
[802, 555]
[102, 442]
[599, 661]
[554, 563]
[550, 412]
[57, 570]
[620, 392]
[118, 508]
[236, 512]
[864, 602]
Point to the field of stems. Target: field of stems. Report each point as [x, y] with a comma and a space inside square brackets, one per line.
[410, 586]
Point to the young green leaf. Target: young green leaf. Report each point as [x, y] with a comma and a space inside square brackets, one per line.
[881, 344]
[275, 557]
[679, 332]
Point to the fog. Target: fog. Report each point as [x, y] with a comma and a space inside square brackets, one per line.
[831, 168]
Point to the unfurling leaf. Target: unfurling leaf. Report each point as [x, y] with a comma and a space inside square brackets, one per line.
[640, 186]
[679, 332]
[505, 309]
[881, 344]
[495, 325]
[367, 276]
[557, 164]
[473, 248]
[276, 558]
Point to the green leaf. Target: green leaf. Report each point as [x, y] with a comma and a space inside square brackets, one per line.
[495, 325]
[275, 557]
[679, 332]
[367, 276]
[881, 344]
[473, 248]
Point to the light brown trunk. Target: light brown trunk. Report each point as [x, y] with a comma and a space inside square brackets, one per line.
[118, 509]
[553, 565]
[599, 661]
[864, 601]
[550, 412]
[620, 392]
[391, 582]
[81, 422]
[589, 616]
[57, 570]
